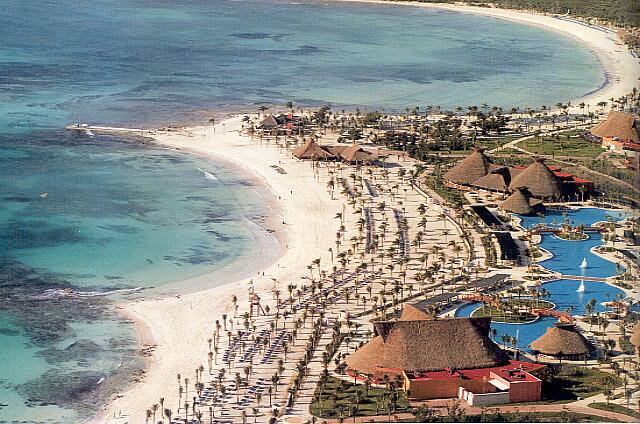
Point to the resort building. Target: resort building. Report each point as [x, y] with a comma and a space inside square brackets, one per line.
[619, 133]
[562, 342]
[445, 358]
[312, 151]
[541, 181]
[353, 154]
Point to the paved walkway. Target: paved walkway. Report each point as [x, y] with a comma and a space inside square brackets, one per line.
[440, 406]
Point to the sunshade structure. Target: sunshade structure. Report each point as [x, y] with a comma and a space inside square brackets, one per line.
[539, 180]
[618, 125]
[312, 151]
[470, 169]
[417, 342]
[522, 203]
[269, 122]
[562, 341]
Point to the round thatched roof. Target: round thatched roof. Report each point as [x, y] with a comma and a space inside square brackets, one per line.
[428, 345]
[561, 340]
[618, 125]
[492, 182]
[311, 150]
[635, 334]
[520, 202]
[355, 153]
[469, 169]
[539, 180]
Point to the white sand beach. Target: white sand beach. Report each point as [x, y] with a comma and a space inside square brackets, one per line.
[621, 68]
[181, 325]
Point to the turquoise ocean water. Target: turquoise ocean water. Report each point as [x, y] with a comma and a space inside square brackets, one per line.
[119, 214]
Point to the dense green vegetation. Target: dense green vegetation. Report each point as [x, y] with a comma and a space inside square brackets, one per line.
[570, 382]
[340, 399]
[614, 408]
[622, 12]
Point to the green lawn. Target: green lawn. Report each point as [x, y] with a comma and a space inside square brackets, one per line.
[564, 144]
[339, 397]
[574, 382]
[615, 408]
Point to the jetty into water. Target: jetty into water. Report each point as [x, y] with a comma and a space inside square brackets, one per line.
[84, 128]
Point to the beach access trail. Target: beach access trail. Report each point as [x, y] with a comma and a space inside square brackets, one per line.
[181, 325]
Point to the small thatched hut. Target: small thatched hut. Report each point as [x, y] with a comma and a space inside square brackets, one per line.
[417, 343]
[311, 151]
[539, 180]
[562, 342]
[268, 123]
[470, 169]
[356, 154]
[522, 203]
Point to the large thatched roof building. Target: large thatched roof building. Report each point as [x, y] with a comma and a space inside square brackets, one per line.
[417, 342]
[445, 358]
[539, 180]
[618, 126]
[563, 342]
[470, 169]
[312, 151]
[522, 203]
[477, 171]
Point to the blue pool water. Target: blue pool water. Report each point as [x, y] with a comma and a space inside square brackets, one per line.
[120, 215]
[563, 294]
[567, 254]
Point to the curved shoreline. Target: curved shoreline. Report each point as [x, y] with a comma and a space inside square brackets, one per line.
[191, 328]
[180, 338]
[620, 70]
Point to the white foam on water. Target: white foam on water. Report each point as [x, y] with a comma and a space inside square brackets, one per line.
[107, 293]
[208, 175]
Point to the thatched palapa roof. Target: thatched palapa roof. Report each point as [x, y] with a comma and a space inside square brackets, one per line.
[561, 341]
[618, 125]
[498, 178]
[311, 150]
[469, 169]
[417, 343]
[355, 153]
[522, 203]
[268, 122]
[539, 180]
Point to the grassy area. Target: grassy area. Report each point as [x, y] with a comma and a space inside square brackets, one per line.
[509, 151]
[503, 315]
[508, 311]
[537, 417]
[615, 408]
[573, 382]
[341, 398]
[563, 144]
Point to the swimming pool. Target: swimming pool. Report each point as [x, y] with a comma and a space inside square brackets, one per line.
[564, 294]
[568, 254]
